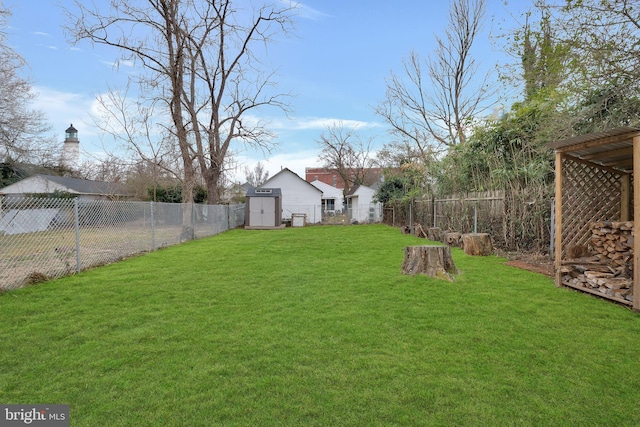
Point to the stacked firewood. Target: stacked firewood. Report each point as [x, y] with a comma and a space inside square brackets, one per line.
[610, 269]
[613, 242]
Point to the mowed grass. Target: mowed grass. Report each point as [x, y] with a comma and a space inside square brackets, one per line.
[317, 326]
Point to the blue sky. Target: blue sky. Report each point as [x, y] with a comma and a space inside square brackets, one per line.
[336, 65]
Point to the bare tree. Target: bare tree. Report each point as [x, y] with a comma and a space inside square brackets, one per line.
[256, 176]
[134, 128]
[200, 60]
[344, 150]
[22, 129]
[434, 102]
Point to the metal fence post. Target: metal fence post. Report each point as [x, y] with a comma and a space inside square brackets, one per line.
[411, 216]
[153, 227]
[76, 212]
[434, 213]
[475, 217]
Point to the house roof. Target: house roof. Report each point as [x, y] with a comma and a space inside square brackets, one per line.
[355, 188]
[326, 188]
[86, 186]
[612, 149]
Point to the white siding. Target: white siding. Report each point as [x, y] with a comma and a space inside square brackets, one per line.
[298, 196]
[330, 192]
[34, 184]
[362, 208]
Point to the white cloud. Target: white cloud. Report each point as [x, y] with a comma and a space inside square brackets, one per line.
[284, 124]
[63, 108]
[305, 11]
[118, 63]
[294, 161]
[321, 123]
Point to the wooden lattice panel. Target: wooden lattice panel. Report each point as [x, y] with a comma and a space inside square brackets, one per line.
[589, 195]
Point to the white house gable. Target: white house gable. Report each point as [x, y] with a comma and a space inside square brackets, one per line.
[298, 196]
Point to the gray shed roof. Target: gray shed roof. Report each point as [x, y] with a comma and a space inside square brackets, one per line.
[264, 192]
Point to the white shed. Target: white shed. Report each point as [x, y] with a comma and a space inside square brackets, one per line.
[361, 207]
[298, 196]
[332, 198]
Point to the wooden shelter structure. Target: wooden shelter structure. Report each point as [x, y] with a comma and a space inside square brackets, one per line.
[595, 184]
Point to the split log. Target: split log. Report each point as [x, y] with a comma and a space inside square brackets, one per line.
[419, 231]
[477, 244]
[434, 261]
[453, 239]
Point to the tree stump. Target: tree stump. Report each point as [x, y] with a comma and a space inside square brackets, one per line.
[434, 261]
[434, 234]
[477, 244]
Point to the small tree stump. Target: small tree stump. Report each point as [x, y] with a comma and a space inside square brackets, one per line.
[477, 244]
[434, 261]
[434, 234]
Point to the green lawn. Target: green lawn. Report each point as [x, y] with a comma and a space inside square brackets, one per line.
[317, 326]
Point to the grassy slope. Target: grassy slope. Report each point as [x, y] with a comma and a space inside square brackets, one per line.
[317, 326]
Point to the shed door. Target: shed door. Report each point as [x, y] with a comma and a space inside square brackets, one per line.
[262, 211]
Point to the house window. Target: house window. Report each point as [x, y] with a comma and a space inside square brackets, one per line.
[328, 205]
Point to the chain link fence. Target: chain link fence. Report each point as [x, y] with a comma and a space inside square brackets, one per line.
[367, 213]
[45, 238]
[516, 221]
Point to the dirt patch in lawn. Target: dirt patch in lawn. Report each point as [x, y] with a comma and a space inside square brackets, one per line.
[547, 270]
[532, 262]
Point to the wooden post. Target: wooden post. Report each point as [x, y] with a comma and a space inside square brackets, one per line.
[558, 219]
[625, 197]
[434, 261]
[636, 223]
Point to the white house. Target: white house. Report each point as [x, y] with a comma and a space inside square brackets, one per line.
[332, 202]
[360, 205]
[298, 196]
[47, 184]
